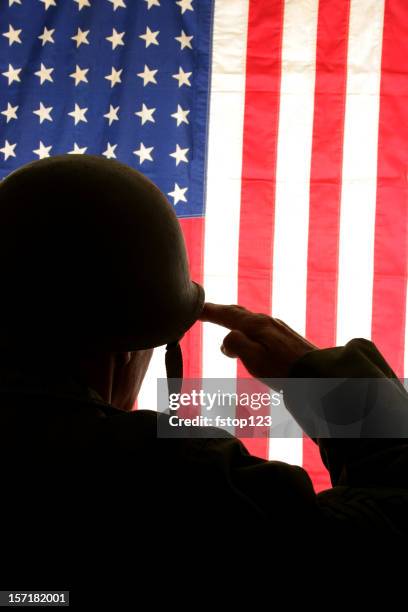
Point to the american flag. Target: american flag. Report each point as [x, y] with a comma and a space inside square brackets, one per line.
[278, 130]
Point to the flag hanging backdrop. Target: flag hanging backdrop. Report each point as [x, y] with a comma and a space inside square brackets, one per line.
[277, 128]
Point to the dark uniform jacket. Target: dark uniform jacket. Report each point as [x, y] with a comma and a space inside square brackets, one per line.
[87, 486]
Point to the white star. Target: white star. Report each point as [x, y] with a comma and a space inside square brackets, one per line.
[77, 150]
[151, 3]
[144, 153]
[13, 35]
[44, 74]
[114, 76]
[43, 112]
[78, 114]
[10, 112]
[11, 2]
[185, 5]
[82, 3]
[48, 3]
[178, 194]
[182, 77]
[180, 115]
[117, 4]
[150, 37]
[148, 76]
[12, 74]
[113, 114]
[46, 36]
[146, 114]
[110, 151]
[42, 150]
[79, 75]
[184, 40]
[180, 155]
[81, 38]
[8, 150]
[116, 39]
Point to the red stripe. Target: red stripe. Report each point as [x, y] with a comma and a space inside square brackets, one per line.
[264, 42]
[193, 230]
[391, 230]
[325, 192]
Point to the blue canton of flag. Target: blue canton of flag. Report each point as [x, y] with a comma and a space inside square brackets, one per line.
[127, 79]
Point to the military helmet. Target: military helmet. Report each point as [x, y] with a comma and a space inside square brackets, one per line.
[91, 256]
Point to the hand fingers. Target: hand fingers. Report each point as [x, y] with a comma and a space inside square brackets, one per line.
[234, 317]
[221, 314]
[237, 344]
[259, 327]
[253, 355]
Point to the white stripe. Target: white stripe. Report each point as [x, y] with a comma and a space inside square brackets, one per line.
[147, 399]
[289, 450]
[224, 173]
[293, 179]
[358, 198]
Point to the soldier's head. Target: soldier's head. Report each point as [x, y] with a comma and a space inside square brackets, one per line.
[93, 269]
